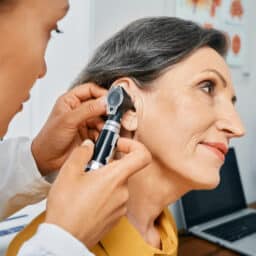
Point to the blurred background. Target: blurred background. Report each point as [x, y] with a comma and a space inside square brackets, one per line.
[90, 22]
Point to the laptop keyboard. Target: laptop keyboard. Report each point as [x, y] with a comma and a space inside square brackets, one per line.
[235, 229]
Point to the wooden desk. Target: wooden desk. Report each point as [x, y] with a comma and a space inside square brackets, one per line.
[193, 246]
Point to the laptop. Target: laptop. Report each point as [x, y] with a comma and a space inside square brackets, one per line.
[221, 215]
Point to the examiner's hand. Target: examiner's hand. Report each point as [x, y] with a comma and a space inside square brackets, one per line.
[88, 204]
[74, 118]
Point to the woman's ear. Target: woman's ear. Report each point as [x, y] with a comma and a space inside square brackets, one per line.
[130, 118]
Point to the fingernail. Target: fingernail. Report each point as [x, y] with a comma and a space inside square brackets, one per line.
[87, 142]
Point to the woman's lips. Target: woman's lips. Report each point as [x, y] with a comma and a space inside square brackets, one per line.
[219, 149]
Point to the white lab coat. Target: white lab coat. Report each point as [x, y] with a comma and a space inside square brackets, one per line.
[21, 184]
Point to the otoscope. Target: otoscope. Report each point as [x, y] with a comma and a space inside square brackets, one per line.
[118, 102]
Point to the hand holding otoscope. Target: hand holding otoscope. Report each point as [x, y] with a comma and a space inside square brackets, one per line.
[87, 205]
[118, 102]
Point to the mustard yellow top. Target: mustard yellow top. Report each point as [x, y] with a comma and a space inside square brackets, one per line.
[123, 239]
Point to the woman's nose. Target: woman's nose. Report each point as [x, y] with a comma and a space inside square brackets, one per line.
[231, 123]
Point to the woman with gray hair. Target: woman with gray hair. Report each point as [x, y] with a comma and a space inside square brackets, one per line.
[176, 74]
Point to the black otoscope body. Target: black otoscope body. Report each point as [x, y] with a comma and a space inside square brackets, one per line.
[118, 102]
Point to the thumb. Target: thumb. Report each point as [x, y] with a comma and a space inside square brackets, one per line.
[87, 110]
[79, 158]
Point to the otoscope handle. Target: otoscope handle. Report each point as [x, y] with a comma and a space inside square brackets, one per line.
[118, 102]
[105, 145]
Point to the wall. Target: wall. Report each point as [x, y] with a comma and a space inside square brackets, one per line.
[109, 16]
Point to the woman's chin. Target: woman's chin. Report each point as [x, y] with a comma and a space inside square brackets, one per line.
[207, 184]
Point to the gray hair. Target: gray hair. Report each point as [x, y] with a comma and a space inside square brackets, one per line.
[145, 48]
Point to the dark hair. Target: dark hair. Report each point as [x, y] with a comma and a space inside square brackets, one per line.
[7, 5]
[4, 2]
[146, 48]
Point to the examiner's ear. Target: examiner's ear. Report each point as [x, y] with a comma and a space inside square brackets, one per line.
[130, 119]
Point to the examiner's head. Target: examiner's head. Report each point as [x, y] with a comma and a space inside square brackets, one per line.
[25, 28]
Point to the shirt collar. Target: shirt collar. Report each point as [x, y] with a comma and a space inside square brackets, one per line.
[126, 239]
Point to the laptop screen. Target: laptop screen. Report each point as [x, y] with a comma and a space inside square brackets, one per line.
[204, 205]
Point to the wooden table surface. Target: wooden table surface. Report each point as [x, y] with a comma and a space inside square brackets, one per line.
[192, 246]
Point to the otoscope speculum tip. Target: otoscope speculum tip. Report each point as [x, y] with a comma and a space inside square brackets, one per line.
[118, 100]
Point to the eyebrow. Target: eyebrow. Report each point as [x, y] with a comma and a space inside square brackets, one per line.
[218, 74]
[234, 98]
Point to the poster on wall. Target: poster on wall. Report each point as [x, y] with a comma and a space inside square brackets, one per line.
[227, 16]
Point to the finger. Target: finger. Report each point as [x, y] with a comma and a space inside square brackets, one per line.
[88, 91]
[93, 134]
[85, 111]
[122, 195]
[83, 133]
[137, 157]
[79, 158]
[117, 214]
[118, 155]
[114, 216]
[127, 145]
[96, 122]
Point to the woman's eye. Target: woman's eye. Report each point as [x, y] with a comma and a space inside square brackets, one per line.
[208, 87]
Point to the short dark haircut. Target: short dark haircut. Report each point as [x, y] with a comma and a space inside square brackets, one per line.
[7, 5]
[5, 1]
[145, 48]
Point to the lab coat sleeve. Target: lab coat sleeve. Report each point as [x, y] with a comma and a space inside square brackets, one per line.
[51, 240]
[21, 183]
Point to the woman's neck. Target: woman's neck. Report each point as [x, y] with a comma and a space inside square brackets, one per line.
[151, 190]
